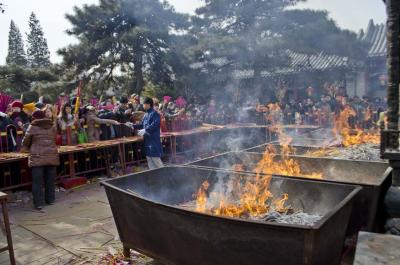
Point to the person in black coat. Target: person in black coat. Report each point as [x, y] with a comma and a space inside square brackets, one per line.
[122, 114]
[9, 144]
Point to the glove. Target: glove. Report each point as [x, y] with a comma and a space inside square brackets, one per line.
[129, 124]
[141, 132]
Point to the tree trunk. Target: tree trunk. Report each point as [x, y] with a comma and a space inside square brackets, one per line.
[138, 67]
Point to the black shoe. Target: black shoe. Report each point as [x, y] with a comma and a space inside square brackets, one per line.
[49, 203]
[39, 208]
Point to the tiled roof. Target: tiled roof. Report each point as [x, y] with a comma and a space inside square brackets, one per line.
[375, 37]
[300, 62]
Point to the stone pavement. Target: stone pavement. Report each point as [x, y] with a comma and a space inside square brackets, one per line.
[77, 229]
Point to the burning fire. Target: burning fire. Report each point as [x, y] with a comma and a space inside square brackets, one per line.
[250, 199]
[323, 152]
[201, 197]
[285, 166]
[349, 135]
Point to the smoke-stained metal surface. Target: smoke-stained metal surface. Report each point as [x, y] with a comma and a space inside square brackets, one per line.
[373, 177]
[148, 221]
[297, 150]
[297, 132]
[334, 170]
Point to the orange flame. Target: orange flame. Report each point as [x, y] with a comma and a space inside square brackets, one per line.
[201, 197]
[352, 136]
[280, 204]
[285, 166]
[251, 199]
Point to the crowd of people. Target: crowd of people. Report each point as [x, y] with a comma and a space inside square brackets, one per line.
[93, 120]
[322, 112]
[42, 126]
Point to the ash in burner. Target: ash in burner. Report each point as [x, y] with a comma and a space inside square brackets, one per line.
[369, 152]
[289, 217]
[295, 218]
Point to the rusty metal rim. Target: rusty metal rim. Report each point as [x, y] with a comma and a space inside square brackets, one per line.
[342, 182]
[304, 138]
[275, 143]
[326, 158]
[316, 226]
[385, 174]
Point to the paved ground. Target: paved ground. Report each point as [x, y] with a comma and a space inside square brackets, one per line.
[75, 230]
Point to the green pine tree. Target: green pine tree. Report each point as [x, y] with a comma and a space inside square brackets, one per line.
[124, 37]
[16, 53]
[38, 51]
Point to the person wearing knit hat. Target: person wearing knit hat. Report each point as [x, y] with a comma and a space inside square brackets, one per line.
[17, 105]
[30, 107]
[38, 115]
[40, 142]
[18, 116]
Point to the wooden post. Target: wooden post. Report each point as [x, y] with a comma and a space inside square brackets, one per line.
[3, 198]
[121, 150]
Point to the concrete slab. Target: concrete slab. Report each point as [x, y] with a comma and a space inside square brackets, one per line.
[377, 249]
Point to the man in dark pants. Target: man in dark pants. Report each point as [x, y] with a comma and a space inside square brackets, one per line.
[149, 128]
[40, 141]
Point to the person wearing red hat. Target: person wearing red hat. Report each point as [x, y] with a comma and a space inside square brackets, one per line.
[40, 141]
[18, 116]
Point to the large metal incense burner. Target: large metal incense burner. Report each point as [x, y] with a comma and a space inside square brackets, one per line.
[148, 220]
[373, 177]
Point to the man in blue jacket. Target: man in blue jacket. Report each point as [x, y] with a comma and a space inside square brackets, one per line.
[149, 128]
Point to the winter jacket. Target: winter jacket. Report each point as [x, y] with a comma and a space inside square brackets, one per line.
[152, 141]
[17, 117]
[64, 124]
[9, 143]
[40, 140]
[92, 120]
[121, 115]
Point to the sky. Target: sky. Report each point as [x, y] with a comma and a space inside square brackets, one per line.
[349, 14]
